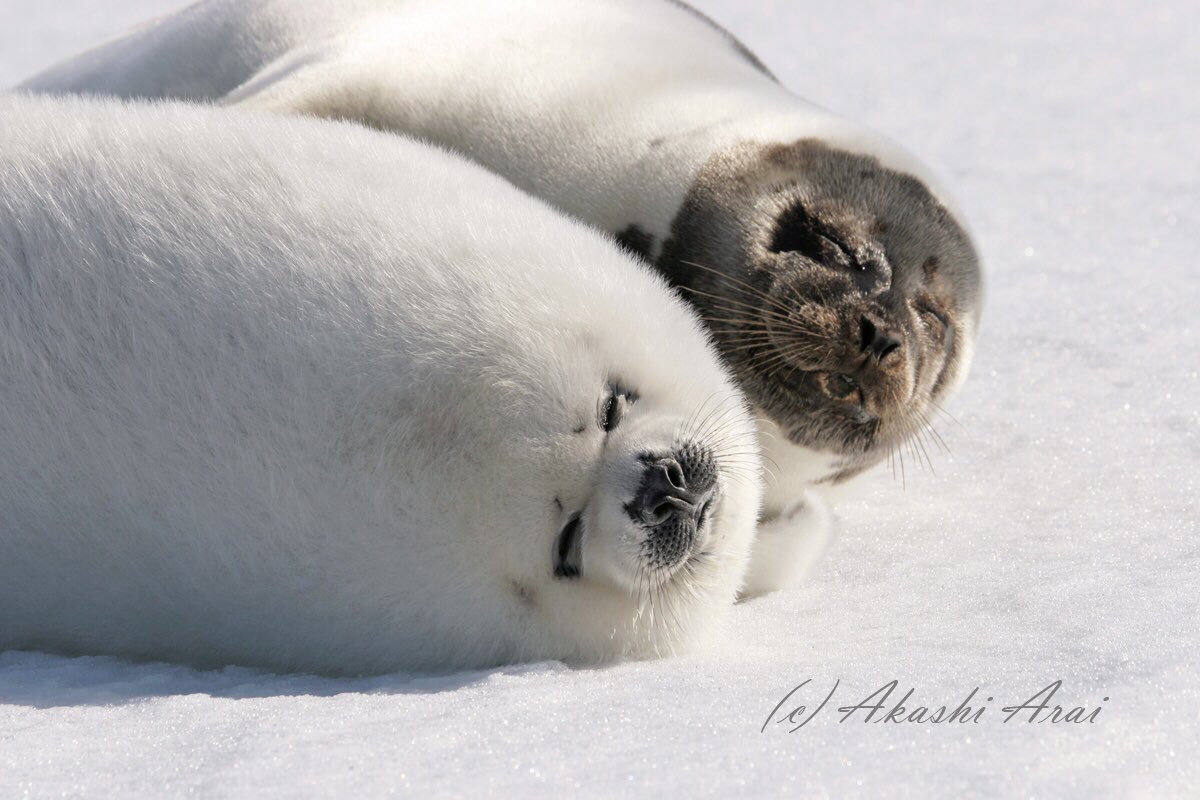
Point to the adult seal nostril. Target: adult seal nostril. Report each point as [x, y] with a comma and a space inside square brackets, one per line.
[877, 342]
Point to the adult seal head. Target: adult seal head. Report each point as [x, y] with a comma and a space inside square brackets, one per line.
[300, 395]
[841, 285]
[843, 294]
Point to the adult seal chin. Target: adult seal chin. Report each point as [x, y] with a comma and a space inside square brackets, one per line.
[838, 281]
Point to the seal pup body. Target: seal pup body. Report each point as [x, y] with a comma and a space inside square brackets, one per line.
[300, 395]
[836, 277]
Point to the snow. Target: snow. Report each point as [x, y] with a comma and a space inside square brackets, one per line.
[1057, 541]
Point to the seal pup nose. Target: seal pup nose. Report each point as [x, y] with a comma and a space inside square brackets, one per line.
[663, 493]
[875, 341]
[675, 487]
[673, 501]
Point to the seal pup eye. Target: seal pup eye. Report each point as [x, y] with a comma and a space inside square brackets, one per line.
[610, 413]
[568, 549]
[613, 409]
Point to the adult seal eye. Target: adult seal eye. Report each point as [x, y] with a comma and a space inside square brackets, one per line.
[933, 319]
[840, 386]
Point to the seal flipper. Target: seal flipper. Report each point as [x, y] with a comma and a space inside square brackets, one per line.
[786, 547]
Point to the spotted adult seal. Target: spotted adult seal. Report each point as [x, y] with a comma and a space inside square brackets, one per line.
[841, 286]
[296, 394]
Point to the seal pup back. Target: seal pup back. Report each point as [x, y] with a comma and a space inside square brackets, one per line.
[840, 284]
[299, 395]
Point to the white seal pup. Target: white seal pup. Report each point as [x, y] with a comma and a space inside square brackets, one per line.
[841, 287]
[296, 394]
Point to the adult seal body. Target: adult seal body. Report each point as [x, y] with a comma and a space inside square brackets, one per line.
[300, 395]
[840, 285]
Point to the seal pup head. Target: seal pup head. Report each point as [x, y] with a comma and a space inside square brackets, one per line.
[630, 468]
[645, 539]
[653, 508]
[843, 294]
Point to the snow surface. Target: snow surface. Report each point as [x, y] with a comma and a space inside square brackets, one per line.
[1059, 541]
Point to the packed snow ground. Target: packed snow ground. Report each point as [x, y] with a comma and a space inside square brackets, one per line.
[1058, 541]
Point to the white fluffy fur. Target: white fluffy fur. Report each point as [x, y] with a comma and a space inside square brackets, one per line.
[296, 394]
[606, 108]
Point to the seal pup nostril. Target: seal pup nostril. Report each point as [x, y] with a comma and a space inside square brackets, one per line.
[660, 513]
[675, 474]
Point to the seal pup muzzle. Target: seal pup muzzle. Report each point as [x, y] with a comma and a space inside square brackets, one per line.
[840, 283]
[299, 395]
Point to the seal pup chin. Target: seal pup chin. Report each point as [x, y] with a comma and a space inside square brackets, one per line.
[839, 281]
[298, 395]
